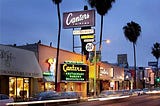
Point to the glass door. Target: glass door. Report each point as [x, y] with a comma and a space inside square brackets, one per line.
[19, 88]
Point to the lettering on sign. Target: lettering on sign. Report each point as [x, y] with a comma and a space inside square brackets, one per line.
[73, 62]
[74, 72]
[86, 31]
[79, 19]
[73, 20]
[89, 47]
[16, 73]
[72, 68]
[87, 36]
[88, 40]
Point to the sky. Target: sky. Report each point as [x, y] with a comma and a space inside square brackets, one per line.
[28, 21]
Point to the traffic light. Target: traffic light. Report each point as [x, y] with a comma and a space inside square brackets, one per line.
[158, 79]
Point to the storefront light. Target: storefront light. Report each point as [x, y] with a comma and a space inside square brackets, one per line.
[26, 80]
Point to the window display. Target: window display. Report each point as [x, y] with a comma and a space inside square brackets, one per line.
[19, 88]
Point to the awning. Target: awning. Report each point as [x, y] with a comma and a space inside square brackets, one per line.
[48, 79]
[19, 62]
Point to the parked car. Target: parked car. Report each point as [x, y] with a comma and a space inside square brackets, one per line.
[70, 95]
[4, 99]
[125, 92]
[154, 91]
[145, 90]
[136, 92]
[111, 93]
[47, 95]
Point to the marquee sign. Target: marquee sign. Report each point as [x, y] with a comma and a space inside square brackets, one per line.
[87, 36]
[79, 19]
[74, 72]
[84, 31]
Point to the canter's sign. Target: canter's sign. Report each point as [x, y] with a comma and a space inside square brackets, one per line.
[87, 36]
[88, 40]
[89, 47]
[79, 19]
[74, 72]
[86, 31]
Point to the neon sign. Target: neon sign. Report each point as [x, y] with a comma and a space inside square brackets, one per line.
[73, 62]
[79, 19]
[74, 72]
[72, 68]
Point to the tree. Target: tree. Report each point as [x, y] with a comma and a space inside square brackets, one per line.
[156, 52]
[132, 31]
[102, 7]
[57, 2]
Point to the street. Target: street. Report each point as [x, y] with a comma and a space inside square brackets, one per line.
[144, 100]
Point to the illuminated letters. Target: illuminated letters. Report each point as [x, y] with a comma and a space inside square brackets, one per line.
[73, 20]
[72, 68]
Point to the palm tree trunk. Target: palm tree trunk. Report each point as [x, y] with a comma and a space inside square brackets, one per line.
[134, 65]
[157, 65]
[58, 43]
[101, 33]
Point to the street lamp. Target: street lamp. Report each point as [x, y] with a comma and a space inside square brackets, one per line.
[95, 64]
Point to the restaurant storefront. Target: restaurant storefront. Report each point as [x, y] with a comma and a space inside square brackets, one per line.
[73, 78]
[19, 70]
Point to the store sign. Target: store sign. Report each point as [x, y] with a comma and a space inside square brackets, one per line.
[73, 62]
[89, 47]
[79, 19]
[47, 73]
[152, 63]
[86, 31]
[74, 72]
[52, 65]
[88, 40]
[87, 36]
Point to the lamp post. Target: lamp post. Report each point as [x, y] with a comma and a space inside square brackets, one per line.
[95, 65]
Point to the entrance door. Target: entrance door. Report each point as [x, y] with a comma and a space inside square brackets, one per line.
[19, 88]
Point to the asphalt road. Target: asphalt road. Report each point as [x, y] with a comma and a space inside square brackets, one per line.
[144, 100]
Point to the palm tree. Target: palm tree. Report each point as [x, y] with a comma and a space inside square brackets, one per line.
[102, 7]
[156, 52]
[57, 2]
[132, 31]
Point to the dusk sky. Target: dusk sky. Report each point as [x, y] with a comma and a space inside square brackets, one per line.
[28, 21]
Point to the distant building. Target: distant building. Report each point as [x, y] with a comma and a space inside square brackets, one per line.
[122, 60]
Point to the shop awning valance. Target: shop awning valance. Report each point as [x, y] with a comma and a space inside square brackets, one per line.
[19, 62]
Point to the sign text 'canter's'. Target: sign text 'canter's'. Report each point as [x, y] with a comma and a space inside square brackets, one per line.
[79, 19]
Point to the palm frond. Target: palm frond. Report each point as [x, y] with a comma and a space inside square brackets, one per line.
[132, 31]
[57, 1]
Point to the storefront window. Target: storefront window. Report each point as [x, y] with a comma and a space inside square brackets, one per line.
[19, 88]
[49, 86]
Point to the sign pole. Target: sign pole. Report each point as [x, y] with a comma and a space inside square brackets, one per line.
[95, 71]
